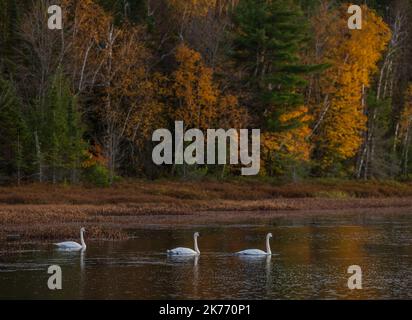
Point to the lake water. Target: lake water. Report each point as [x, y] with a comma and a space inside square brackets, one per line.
[311, 261]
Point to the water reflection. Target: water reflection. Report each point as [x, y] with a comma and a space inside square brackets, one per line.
[258, 264]
[311, 261]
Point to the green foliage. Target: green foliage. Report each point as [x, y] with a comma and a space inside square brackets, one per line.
[98, 175]
[57, 124]
[132, 10]
[273, 47]
[268, 37]
[13, 131]
[7, 15]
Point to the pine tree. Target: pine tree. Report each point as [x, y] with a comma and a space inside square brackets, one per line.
[13, 132]
[268, 38]
[8, 33]
[131, 10]
[55, 131]
[59, 131]
[76, 145]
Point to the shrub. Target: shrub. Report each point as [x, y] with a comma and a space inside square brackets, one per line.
[98, 175]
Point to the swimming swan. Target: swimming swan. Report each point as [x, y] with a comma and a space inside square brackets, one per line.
[71, 245]
[257, 252]
[186, 251]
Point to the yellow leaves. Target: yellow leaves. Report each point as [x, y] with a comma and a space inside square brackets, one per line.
[194, 90]
[294, 142]
[91, 21]
[300, 114]
[354, 55]
[193, 7]
[113, 60]
[133, 94]
[200, 8]
[231, 114]
[200, 103]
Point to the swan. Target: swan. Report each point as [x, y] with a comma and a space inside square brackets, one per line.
[257, 252]
[186, 251]
[71, 245]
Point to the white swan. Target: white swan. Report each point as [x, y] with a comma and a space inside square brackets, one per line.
[257, 252]
[186, 251]
[71, 245]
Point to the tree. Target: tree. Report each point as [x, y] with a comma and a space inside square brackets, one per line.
[269, 37]
[13, 132]
[198, 101]
[286, 151]
[40, 52]
[64, 129]
[404, 135]
[8, 33]
[342, 112]
[194, 90]
[58, 132]
[131, 107]
[125, 10]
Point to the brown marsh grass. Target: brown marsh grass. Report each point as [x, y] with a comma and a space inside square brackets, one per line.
[51, 212]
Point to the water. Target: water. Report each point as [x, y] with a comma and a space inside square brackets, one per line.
[311, 261]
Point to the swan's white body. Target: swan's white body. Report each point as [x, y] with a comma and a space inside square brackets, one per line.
[252, 252]
[186, 251]
[257, 252]
[72, 245]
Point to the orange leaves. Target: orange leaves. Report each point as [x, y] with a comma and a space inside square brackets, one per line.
[354, 55]
[94, 156]
[199, 102]
[194, 90]
[231, 115]
[294, 142]
[112, 62]
[89, 21]
[193, 7]
[131, 100]
[406, 115]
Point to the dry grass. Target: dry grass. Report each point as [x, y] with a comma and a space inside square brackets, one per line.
[142, 191]
[56, 212]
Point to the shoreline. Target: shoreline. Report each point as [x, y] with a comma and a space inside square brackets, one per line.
[48, 213]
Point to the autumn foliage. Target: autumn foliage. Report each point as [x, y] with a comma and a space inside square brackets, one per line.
[354, 58]
[328, 99]
[198, 101]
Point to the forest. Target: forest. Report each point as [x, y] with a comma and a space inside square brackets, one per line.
[80, 104]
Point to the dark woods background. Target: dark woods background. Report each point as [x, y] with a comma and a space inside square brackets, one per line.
[80, 104]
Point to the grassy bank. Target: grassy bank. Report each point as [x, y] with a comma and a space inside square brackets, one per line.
[138, 191]
[55, 212]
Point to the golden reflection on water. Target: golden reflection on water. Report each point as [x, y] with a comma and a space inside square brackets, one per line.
[310, 261]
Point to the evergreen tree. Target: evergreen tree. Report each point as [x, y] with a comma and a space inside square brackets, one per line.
[13, 132]
[58, 101]
[131, 10]
[268, 38]
[59, 131]
[8, 33]
[76, 145]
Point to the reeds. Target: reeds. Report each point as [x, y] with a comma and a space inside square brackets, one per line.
[52, 212]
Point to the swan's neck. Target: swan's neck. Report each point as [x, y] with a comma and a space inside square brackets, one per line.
[82, 239]
[196, 247]
[268, 251]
